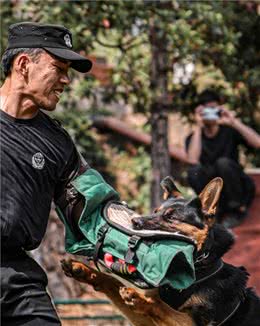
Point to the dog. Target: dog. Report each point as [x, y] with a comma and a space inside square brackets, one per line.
[219, 295]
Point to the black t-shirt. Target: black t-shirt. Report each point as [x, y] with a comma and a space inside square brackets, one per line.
[36, 156]
[224, 144]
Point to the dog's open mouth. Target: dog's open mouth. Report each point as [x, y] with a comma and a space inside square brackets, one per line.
[154, 223]
[174, 226]
[148, 223]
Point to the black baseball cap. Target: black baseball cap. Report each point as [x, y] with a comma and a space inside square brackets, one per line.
[55, 39]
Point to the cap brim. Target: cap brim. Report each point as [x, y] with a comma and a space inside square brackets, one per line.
[78, 62]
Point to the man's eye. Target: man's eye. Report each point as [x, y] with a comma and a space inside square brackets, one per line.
[59, 69]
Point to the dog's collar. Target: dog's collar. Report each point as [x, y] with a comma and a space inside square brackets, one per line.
[202, 275]
[180, 296]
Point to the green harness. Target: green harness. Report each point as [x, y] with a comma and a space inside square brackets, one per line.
[164, 261]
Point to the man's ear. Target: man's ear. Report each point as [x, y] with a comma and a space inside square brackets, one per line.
[169, 188]
[209, 196]
[21, 63]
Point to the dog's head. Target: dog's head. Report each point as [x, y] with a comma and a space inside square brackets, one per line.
[192, 218]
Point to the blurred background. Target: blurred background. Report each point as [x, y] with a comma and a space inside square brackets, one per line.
[131, 114]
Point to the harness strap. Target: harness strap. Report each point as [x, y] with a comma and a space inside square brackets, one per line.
[132, 246]
[180, 296]
[200, 279]
[231, 314]
[100, 239]
[70, 197]
[167, 293]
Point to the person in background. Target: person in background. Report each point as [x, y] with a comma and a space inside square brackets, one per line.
[38, 159]
[213, 150]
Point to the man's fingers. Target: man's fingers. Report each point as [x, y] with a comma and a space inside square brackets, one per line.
[199, 109]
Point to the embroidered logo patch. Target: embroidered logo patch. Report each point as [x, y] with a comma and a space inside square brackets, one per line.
[67, 41]
[38, 161]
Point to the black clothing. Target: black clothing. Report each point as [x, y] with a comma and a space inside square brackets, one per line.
[238, 189]
[24, 300]
[37, 157]
[224, 144]
[219, 158]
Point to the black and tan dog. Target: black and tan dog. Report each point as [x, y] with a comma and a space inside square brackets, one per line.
[218, 297]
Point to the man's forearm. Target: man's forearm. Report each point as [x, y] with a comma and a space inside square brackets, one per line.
[194, 149]
[251, 136]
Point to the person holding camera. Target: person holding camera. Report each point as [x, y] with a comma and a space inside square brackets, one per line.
[213, 151]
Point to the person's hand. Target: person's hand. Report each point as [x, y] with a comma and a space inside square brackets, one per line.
[198, 115]
[227, 117]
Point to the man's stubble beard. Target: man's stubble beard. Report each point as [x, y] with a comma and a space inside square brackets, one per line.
[45, 107]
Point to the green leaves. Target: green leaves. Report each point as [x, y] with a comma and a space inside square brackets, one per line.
[215, 35]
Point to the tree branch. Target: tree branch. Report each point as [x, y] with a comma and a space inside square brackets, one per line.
[119, 45]
[123, 46]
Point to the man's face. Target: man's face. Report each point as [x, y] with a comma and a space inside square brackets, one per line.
[47, 78]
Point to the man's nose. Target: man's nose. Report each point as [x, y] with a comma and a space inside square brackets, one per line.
[65, 79]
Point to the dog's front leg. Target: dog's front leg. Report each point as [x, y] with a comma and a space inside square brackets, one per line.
[108, 285]
[160, 313]
[82, 273]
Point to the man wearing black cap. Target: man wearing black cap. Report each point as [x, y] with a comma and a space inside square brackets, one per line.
[37, 158]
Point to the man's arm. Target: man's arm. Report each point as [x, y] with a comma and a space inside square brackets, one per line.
[194, 147]
[250, 136]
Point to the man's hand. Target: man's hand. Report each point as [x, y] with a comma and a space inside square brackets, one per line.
[194, 148]
[226, 117]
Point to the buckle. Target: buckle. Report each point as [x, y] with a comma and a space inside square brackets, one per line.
[132, 244]
[202, 257]
[102, 231]
[133, 241]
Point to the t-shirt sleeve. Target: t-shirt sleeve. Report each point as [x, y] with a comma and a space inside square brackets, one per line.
[71, 168]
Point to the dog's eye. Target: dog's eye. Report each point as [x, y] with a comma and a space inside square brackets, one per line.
[168, 212]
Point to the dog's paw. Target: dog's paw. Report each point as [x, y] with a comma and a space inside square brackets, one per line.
[78, 271]
[138, 301]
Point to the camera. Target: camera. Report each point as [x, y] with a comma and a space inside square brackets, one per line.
[211, 113]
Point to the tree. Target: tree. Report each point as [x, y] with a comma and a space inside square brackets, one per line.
[148, 38]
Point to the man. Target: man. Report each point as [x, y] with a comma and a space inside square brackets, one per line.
[37, 158]
[212, 150]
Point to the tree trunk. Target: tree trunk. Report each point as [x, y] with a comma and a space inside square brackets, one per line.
[159, 114]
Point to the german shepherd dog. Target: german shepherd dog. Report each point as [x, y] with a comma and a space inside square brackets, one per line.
[219, 295]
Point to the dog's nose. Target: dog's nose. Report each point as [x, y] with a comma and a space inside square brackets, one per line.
[138, 223]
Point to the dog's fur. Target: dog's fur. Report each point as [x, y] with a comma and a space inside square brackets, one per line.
[139, 309]
[209, 302]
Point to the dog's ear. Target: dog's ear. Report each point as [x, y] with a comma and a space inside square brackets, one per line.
[169, 188]
[209, 196]
[170, 191]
